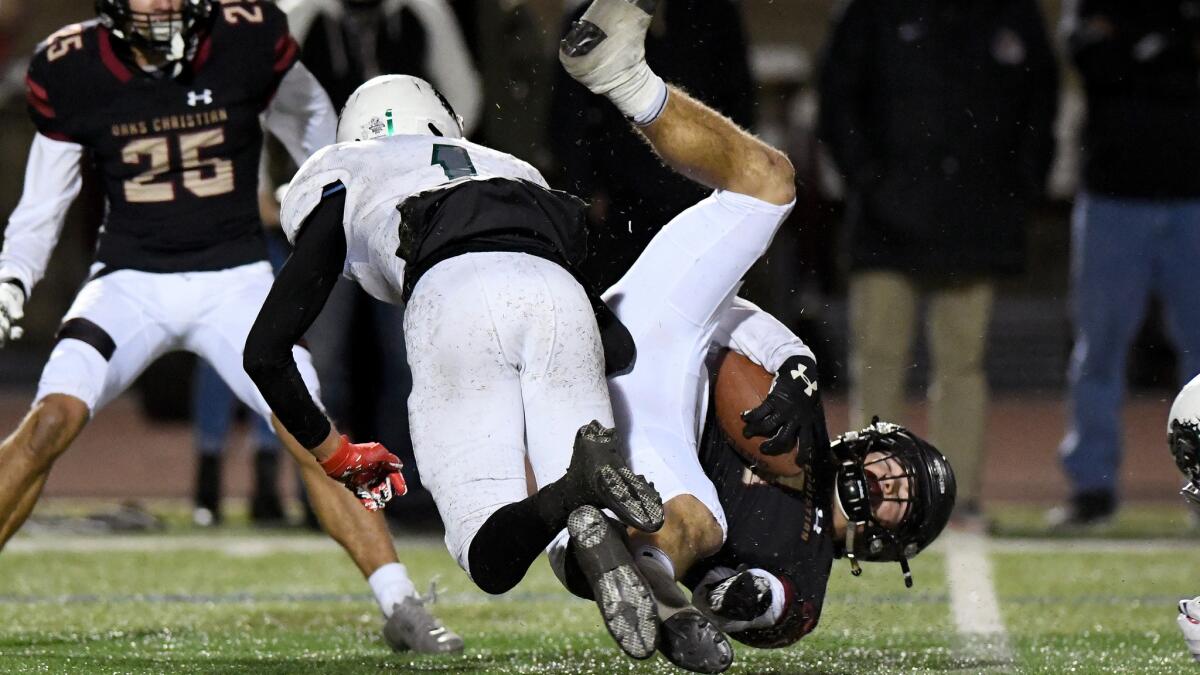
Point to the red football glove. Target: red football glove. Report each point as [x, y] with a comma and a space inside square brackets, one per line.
[368, 470]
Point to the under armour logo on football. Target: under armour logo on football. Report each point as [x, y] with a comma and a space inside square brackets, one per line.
[800, 373]
[197, 97]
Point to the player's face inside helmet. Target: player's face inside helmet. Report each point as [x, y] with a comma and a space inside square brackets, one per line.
[889, 488]
[896, 492]
[159, 30]
[156, 21]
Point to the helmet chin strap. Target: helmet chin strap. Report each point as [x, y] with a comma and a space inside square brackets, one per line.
[851, 530]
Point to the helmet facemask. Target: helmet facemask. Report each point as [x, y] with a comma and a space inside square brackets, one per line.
[895, 490]
[174, 36]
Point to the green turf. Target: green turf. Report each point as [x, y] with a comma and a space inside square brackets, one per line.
[188, 608]
[1137, 521]
[1096, 612]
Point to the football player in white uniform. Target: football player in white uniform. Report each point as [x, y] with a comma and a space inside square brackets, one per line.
[505, 349]
[1183, 440]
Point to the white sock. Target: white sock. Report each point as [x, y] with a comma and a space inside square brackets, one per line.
[657, 555]
[654, 97]
[391, 585]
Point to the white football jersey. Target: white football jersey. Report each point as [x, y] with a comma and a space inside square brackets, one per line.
[379, 175]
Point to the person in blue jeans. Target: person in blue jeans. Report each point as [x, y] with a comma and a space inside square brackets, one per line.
[1136, 224]
[214, 409]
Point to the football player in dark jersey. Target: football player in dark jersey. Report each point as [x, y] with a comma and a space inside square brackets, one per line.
[166, 97]
[880, 495]
[765, 586]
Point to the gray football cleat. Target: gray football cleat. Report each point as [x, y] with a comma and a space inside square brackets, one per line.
[689, 640]
[686, 637]
[602, 478]
[624, 599]
[605, 50]
[411, 626]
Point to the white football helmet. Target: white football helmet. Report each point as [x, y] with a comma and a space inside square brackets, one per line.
[1183, 438]
[397, 104]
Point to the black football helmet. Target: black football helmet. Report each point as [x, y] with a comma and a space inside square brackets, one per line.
[930, 499]
[175, 35]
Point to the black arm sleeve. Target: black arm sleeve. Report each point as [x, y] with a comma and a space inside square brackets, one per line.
[295, 300]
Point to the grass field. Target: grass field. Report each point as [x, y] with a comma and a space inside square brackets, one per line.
[242, 601]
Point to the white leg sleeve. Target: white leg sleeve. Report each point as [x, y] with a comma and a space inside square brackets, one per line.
[670, 300]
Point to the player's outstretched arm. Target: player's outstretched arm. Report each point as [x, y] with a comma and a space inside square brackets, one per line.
[605, 52]
[52, 181]
[294, 302]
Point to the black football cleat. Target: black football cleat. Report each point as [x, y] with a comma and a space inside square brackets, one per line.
[266, 506]
[686, 637]
[690, 641]
[207, 497]
[620, 592]
[605, 480]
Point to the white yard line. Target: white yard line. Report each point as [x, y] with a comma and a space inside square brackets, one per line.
[973, 600]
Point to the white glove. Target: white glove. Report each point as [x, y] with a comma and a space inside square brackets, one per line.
[752, 606]
[1189, 623]
[12, 310]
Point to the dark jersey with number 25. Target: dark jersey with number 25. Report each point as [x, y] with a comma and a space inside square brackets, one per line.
[178, 157]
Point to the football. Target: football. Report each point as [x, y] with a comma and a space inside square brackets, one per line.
[741, 385]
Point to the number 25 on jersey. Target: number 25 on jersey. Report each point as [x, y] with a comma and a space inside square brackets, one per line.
[201, 176]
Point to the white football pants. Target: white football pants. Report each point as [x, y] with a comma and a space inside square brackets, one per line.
[671, 300]
[143, 315]
[506, 361]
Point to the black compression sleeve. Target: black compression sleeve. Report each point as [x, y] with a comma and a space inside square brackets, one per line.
[295, 300]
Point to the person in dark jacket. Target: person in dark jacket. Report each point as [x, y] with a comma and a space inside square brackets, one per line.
[701, 46]
[1136, 228]
[939, 114]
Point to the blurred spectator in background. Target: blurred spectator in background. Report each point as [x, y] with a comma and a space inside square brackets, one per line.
[1136, 224]
[509, 42]
[11, 14]
[215, 409]
[696, 44]
[939, 115]
[345, 43]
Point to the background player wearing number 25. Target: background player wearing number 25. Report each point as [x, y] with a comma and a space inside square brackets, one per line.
[166, 97]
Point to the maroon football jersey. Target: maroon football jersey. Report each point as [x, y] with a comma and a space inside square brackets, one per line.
[178, 157]
[786, 531]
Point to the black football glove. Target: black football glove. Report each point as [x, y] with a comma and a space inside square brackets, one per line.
[790, 413]
[741, 597]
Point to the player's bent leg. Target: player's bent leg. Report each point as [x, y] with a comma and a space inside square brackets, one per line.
[362, 533]
[24, 507]
[364, 536]
[690, 533]
[564, 387]
[687, 638]
[707, 147]
[27, 454]
[605, 52]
